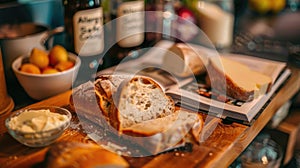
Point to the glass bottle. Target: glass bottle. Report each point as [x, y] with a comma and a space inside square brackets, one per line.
[169, 18]
[84, 34]
[216, 19]
[136, 26]
[127, 30]
[153, 21]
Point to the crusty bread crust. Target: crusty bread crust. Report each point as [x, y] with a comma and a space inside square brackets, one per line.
[160, 134]
[85, 102]
[76, 154]
[152, 127]
[105, 87]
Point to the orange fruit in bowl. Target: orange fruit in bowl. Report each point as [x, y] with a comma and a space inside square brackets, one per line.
[49, 70]
[278, 5]
[265, 6]
[39, 58]
[260, 6]
[64, 65]
[30, 68]
[57, 54]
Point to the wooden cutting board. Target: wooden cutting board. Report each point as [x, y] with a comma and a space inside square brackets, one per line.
[13, 154]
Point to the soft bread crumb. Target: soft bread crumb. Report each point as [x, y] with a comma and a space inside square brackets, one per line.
[142, 99]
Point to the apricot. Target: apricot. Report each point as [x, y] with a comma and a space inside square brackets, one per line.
[30, 68]
[39, 58]
[50, 70]
[264, 6]
[57, 54]
[64, 65]
[278, 5]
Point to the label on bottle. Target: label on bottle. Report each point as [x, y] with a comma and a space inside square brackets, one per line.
[88, 32]
[130, 24]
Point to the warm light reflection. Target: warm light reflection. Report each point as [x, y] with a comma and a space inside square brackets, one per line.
[264, 160]
[201, 4]
[167, 14]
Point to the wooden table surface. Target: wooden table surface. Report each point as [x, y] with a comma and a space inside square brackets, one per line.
[221, 148]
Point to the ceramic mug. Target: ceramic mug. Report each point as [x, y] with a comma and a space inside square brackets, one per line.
[20, 39]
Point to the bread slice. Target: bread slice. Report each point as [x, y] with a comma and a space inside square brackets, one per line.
[184, 61]
[158, 135]
[137, 100]
[236, 79]
[77, 154]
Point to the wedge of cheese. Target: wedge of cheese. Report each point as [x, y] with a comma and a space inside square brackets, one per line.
[236, 79]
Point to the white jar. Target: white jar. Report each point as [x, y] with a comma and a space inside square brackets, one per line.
[216, 19]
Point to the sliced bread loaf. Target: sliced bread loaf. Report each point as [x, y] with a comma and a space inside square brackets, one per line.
[138, 110]
[236, 79]
[123, 100]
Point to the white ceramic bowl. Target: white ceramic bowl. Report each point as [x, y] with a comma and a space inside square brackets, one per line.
[41, 86]
[39, 138]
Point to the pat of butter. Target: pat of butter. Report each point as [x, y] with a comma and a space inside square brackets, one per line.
[37, 120]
